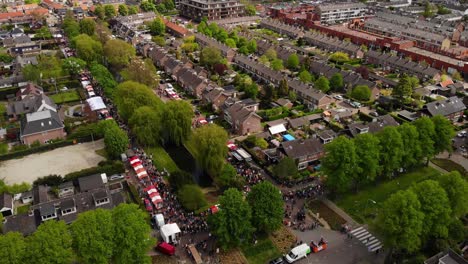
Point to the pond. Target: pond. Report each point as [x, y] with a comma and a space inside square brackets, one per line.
[186, 162]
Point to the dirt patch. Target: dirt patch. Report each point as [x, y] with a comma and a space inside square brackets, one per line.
[59, 161]
[232, 257]
[334, 220]
[283, 239]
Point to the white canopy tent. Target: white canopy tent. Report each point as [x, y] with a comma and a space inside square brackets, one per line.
[169, 232]
[277, 129]
[96, 103]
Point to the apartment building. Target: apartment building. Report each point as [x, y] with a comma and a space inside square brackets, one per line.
[340, 12]
[211, 9]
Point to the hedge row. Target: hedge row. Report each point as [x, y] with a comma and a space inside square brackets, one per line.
[41, 148]
[109, 168]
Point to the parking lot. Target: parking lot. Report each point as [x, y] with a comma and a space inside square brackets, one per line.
[58, 161]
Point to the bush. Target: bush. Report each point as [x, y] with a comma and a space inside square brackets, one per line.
[25, 150]
[3, 148]
[50, 180]
[113, 168]
[86, 131]
[179, 179]
[285, 169]
[191, 197]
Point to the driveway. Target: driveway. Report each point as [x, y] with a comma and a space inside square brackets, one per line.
[58, 161]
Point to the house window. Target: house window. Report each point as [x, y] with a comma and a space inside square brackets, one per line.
[102, 201]
[69, 211]
[50, 216]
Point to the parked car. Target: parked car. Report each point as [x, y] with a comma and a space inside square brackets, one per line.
[298, 253]
[277, 261]
[338, 97]
[374, 114]
[166, 248]
[462, 134]
[116, 177]
[148, 205]
[77, 114]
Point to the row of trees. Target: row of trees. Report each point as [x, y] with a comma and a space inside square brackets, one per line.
[350, 163]
[157, 6]
[238, 218]
[120, 235]
[426, 215]
[231, 39]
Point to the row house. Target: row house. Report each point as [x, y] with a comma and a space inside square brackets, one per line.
[218, 95]
[313, 98]
[377, 125]
[282, 28]
[304, 151]
[388, 61]
[241, 115]
[206, 41]
[451, 108]
[332, 44]
[259, 70]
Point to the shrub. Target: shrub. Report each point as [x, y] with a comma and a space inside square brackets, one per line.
[191, 197]
[86, 131]
[179, 179]
[3, 148]
[50, 180]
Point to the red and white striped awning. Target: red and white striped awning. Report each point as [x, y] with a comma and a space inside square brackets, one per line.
[137, 165]
[134, 160]
[156, 199]
[150, 189]
[141, 173]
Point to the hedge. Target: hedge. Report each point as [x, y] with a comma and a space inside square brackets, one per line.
[41, 148]
[109, 169]
[6, 91]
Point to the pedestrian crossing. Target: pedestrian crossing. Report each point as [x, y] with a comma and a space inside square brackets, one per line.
[371, 242]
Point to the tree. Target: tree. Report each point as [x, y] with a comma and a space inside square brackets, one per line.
[31, 73]
[93, 234]
[368, 152]
[70, 27]
[250, 10]
[43, 33]
[443, 134]
[157, 27]
[99, 12]
[180, 178]
[456, 188]
[426, 130]
[285, 169]
[115, 140]
[209, 147]
[230, 43]
[12, 248]
[191, 197]
[457, 76]
[147, 6]
[142, 71]
[145, 124]
[232, 223]
[87, 48]
[104, 77]
[363, 71]
[322, 84]
[109, 11]
[339, 57]
[283, 88]
[170, 5]
[51, 243]
[411, 148]
[427, 10]
[336, 82]
[361, 93]
[406, 85]
[87, 26]
[401, 221]
[123, 10]
[252, 46]
[391, 150]
[293, 61]
[292, 96]
[177, 121]
[270, 54]
[73, 66]
[305, 76]
[119, 53]
[128, 96]
[267, 205]
[210, 56]
[251, 91]
[277, 64]
[228, 177]
[103, 33]
[340, 163]
[436, 208]
[132, 238]
[132, 10]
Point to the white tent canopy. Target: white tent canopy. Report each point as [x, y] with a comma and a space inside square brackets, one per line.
[169, 232]
[96, 103]
[277, 129]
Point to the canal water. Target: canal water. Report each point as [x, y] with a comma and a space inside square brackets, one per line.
[186, 162]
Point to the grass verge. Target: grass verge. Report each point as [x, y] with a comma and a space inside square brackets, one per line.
[361, 206]
[262, 252]
[449, 166]
[65, 97]
[162, 159]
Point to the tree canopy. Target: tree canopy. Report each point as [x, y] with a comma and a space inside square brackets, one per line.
[368, 154]
[12, 248]
[177, 121]
[87, 48]
[336, 82]
[129, 95]
[157, 27]
[285, 169]
[145, 123]
[191, 197]
[210, 56]
[322, 84]
[119, 53]
[391, 145]
[180, 178]
[456, 188]
[339, 57]
[443, 134]
[361, 93]
[305, 76]
[267, 204]
[104, 78]
[87, 26]
[115, 140]
[293, 61]
[142, 71]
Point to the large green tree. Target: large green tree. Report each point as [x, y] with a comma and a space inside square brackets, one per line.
[123, 10]
[177, 121]
[456, 188]
[104, 77]
[128, 96]
[191, 197]
[305, 76]
[142, 71]
[232, 223]
[73, 66]
[293, 61]
[145, 123]
[426, 130]
[180, 178]
[322, 84]
[87, 26]
[70, 26]
[361, 93]
[157, 27]
[339, 57]
[229, 177]
[443, 134]
[340, 164]
[436, 208]
[267, 204]
[210, 56]
[93, 234]
[51, 243]
[391, 150]
[12, 248]
[208, 144]
[109, 11]
[119, 53]
[401, 221]
[87, 48]
[115, 140]
[132, 235]
[336, 82]
[412, 153]
[285, 169]
[368, 154]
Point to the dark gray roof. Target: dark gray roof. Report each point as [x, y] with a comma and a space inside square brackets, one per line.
[40, 194]
[100, 195]
[327, 134]
[31, 103]
[375, 126]
[67, 204]
[300, 148]
[65, 185]
[445, 107]
[90, 182]
[38, 122]
[5, 200]
[47, 209]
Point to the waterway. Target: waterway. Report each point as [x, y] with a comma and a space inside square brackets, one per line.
[185, 161]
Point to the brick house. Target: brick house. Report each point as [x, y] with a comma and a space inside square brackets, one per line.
[243, 120]
[41, 126]
[452, 108]
[304, 152]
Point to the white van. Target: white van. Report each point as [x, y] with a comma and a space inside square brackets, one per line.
[297, 253]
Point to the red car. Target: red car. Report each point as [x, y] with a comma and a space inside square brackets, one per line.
[148, 205]
[166, 248]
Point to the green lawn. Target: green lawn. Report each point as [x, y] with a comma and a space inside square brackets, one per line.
[449, 165]
[23, 209]
[260, 253]
[360, 205]
[162, 159]
[65, 97]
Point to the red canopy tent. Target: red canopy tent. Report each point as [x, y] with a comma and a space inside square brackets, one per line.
[214, 209]
[156, 199]
[134, 160]
[231, 146]
[137, 165]
[150, 189]
[141, 173]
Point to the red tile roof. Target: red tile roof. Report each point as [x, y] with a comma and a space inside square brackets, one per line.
[10, 15]
[176, 28]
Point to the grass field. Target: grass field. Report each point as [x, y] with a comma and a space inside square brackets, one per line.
[361, 206]
[260, 253]
[449, 165]
[65, 97]
[162, 159]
